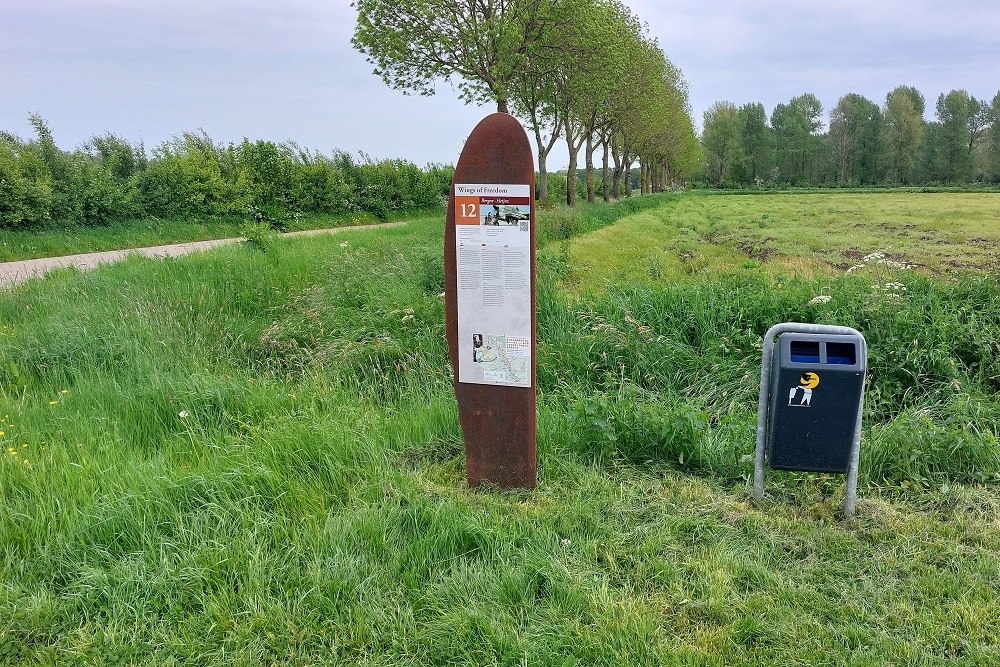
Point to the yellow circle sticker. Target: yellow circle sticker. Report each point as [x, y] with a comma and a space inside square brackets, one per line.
[809, 380]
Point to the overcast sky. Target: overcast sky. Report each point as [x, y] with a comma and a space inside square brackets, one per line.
[285, 69]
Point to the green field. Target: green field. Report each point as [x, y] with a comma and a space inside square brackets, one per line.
[246, 457]
[807, 235]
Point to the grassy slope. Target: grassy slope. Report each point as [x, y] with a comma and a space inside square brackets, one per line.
[309, 506]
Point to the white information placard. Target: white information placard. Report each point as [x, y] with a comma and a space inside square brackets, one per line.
[493, 259]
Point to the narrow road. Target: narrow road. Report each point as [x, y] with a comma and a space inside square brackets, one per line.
[12, 273]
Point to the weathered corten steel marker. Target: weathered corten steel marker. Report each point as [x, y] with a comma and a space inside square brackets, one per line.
[489, 268]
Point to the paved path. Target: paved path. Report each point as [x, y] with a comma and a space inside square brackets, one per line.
[17, 272]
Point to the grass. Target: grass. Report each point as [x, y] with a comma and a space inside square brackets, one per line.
[32, 244]
[228, 471]
[808, 235]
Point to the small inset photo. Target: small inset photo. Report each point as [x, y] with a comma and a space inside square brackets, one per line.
[505, 215]
[477, 347]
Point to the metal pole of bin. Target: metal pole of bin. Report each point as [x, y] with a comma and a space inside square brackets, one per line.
[765, 390]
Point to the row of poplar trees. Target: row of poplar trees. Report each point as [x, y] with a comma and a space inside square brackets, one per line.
[865, 144]
[583, 71]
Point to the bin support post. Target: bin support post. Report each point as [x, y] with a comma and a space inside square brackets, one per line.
[765, 392]
[850, 500]
[852, 470]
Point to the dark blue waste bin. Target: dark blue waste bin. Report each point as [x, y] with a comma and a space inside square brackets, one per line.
[816, 387]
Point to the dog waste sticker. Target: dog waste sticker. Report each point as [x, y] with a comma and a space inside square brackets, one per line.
[801, 396]
[493, 259]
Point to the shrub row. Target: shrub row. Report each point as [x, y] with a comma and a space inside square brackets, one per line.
[110, 180]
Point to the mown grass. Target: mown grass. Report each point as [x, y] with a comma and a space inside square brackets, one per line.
[808, 235]
[248, 457]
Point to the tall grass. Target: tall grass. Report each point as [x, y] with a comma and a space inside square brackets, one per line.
[245, 457]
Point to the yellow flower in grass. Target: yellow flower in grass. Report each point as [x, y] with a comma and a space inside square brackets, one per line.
[53, 402]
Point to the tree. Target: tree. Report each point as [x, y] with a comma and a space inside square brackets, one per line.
[961, 119]
[604, 31]
[993, 141]
[855, 125]
[538, 95]
[536, 98]
[797, 145]
[902, 133]
[721, 141]
[757, 141]
[486, 44]
[618, 36]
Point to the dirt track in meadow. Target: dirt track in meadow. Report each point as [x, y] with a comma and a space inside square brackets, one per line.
[18, 272]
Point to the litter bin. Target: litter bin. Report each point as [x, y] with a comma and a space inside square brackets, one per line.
[812, 380]
[816, 387]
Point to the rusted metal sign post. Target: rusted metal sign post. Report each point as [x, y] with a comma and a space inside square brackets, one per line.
[489, 271]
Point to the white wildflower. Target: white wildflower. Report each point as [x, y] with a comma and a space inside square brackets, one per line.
[344, 244]
[822, 298]
[183, 414]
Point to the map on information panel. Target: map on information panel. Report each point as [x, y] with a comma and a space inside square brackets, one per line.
[493, 259]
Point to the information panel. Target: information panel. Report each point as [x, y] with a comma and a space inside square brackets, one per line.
[493, 262]
[489, 303]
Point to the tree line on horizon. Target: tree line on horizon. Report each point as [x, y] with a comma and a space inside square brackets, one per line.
[863, 145]
[584, 71]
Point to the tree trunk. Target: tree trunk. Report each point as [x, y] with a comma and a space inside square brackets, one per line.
[605, 186]
[543, 174]
[571, 180]
[543, 180]
[628, 176]
[589, 158]
[616, 191]
[643, 176]
[502, 105]
[573, 147]
[543, 153]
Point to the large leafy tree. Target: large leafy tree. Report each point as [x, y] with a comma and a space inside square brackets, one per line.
[993, 141]
[654, 121]
[604, 32]
[960, 125]
[757, 141]
[579, 69]
[538, 95]
[721, 141]
[797, 144]
[623, 49]
[855, 125]
[485, 46]
[657, 128]
[902, 133]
